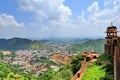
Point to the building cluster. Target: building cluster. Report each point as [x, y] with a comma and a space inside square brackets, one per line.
[62, 58]
[31, 60]
[89, 56]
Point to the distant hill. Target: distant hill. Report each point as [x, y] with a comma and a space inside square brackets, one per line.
[64, 41]
[78, 45]
[19, 43]
[37, 45]
[97, 45]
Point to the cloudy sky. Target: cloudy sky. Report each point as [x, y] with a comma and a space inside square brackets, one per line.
[43, 19]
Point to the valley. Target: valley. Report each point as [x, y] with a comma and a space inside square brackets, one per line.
[39, 57]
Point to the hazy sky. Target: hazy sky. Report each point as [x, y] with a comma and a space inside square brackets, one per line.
[57, 18]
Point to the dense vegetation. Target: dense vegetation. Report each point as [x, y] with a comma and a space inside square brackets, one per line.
[102, 69]
[76, 63]
[107, 61]
[94, 72]
[97, 45]
[48, 75]
[65, 72]
[8, 72]
[36, 45]
[14, 72]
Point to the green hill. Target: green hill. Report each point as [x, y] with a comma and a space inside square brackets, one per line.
[97, 45]
[37, 45]
[20, 43]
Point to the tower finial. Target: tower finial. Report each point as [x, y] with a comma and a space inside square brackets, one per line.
[111, 23]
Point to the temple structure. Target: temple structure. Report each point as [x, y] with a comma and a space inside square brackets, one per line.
[112, 47]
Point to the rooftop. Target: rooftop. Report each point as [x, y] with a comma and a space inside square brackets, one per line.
[111, 29]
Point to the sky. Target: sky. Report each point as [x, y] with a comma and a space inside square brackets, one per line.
[43, 19]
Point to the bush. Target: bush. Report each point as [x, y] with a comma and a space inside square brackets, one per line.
[104, 59]
[107, 61]
[2, 74]
[76, 63]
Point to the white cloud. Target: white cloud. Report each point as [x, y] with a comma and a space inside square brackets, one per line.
[9, 21]
[98, 19]
[9, 27]
[46, 10]
[94, 7]
[116, 2]
[53, 19]
[107, 15]
[108, 2]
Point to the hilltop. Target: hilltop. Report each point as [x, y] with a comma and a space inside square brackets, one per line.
[20, 43]
[97, 45]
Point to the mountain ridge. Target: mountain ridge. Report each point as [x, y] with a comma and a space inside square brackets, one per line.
[97, 45]
[18, 43]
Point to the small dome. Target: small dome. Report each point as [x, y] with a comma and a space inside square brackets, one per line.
[111, 29]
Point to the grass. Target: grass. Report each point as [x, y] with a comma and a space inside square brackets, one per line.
[94, 72]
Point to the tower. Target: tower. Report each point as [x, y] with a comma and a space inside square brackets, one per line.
[111, 39]
[112, 47]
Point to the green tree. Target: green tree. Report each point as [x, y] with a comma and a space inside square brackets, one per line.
[76, 63]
